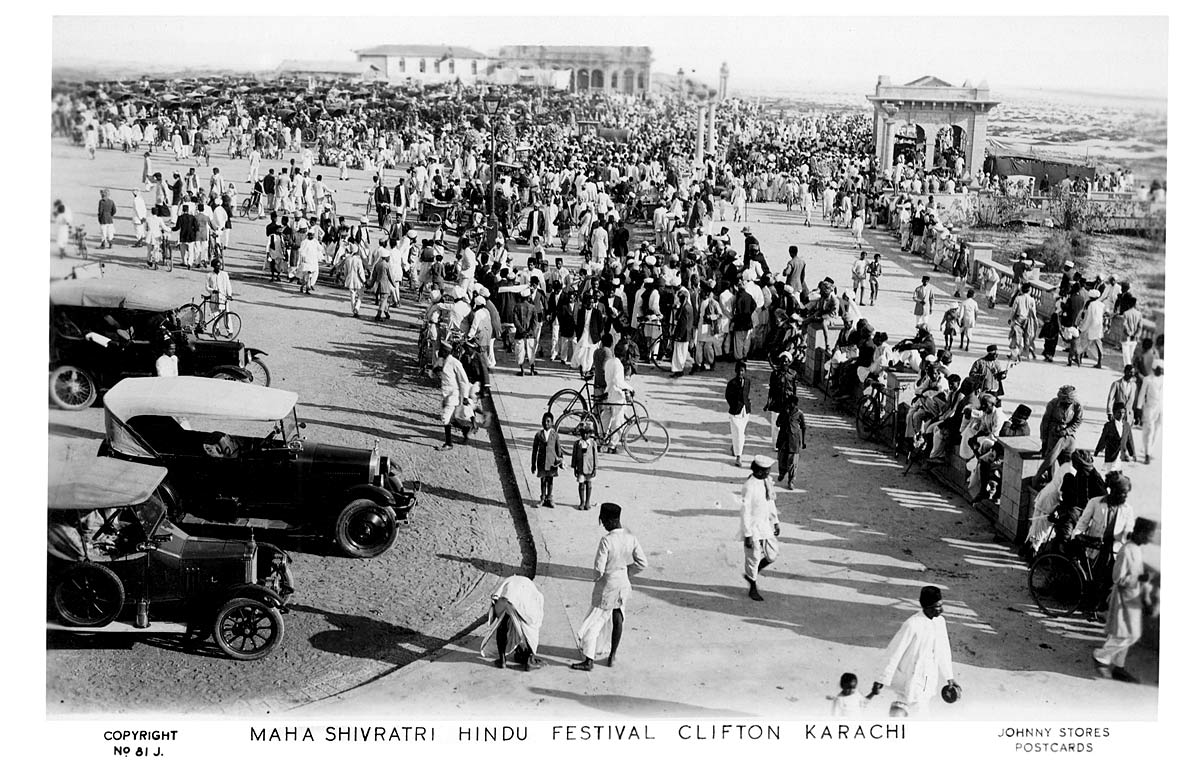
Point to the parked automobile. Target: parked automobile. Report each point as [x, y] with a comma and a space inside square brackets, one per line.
[102, 331]
[118, 560]
[236, 455]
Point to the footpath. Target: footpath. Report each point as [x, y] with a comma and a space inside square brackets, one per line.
[859, 539]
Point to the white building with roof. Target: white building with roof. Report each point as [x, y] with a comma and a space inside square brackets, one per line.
[426, 64]
[321, 69]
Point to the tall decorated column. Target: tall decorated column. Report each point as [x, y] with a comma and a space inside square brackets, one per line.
[700, 135]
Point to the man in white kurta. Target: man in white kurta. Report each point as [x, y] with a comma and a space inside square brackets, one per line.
[918, 657]
[515, 618]
[618, 556]
[1123, 628]
[760, 522]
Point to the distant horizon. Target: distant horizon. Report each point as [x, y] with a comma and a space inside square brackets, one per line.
[764, 84]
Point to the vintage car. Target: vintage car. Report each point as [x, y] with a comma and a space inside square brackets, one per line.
[237, 456]
[116, 551]
[102, 331]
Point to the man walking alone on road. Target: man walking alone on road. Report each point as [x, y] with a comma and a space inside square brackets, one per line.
[618, 556]
[918, 656]
[760, 522]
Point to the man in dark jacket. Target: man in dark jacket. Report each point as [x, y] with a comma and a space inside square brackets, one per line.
[524, 320]
[189, 233]
[382, 200]
[737, 396]
[683, 321]
[742, 324]
[105, 212]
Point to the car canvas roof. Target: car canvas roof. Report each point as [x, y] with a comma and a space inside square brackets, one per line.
[189, 396]
[79, 482]
[95, 293]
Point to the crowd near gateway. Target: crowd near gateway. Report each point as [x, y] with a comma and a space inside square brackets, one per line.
[475, 185]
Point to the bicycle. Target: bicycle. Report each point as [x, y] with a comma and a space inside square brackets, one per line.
[1063, 578]
[876, 412]
[249, 209]
[642, 438]
[656, 350]
[225, 325]
[565, 400]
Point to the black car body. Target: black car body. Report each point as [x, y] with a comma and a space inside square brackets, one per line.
[103, 331]
[116, 552]
[277, 480]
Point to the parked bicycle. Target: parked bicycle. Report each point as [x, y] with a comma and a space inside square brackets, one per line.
[251, 207]
[657, 349]
[875, 417]
[642, 438]
[225, 325]
[568, 399]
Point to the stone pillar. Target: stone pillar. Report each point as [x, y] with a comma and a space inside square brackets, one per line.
[700, 135]
[975, 142]
[977, 253]
[711, 148]
[1022, 457]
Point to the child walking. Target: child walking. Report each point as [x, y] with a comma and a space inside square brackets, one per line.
[849, 703]
[951, 323]
[583, 463]
[547, 458]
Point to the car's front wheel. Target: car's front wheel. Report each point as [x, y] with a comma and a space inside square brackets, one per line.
[365, 529]
[72, 388]
[88, 595]
[247, 629]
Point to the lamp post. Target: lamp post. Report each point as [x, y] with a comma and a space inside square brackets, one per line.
[492, 101]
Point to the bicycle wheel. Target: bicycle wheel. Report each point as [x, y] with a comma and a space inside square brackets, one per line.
[1055, 585]
[244, 208]
[191, 317]
[659, 356]
[645, 440]
[227, 326]
[866, 420]
[570, 427]
[565, 401]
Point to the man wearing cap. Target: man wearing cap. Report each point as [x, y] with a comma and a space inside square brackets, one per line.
[1060, 423]
[1130, 323]
[988, 372]
[105, 211]
[618, 556]
[918, 658]
[310, 261]
[759, 530]
[382, 282]
[742, 323]
[455, 388]
[1022, 323]
[524, 316]
[1130, 592]
[1091, 329]
[923, 301]
[1107, 520]
[683, 320]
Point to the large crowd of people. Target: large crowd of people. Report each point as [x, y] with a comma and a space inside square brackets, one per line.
[656, 279]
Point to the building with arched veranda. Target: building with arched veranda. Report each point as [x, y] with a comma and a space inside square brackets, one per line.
[623, 69]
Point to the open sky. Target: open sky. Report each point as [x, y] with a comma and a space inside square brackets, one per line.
[1099, 54]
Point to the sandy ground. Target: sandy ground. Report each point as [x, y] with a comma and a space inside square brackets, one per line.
[353, 620]
[859, 540]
